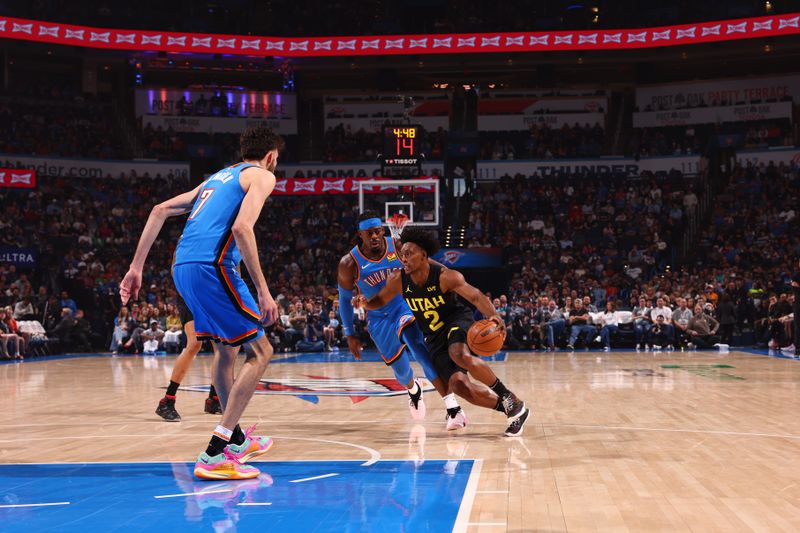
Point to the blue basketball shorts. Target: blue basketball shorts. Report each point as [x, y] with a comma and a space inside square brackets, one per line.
[223, 308]
[385, 326]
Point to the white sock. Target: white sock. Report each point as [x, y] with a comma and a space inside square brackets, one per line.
[450, 401]
[415, 389]
[223, 433]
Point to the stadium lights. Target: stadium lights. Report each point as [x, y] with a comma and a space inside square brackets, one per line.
[768, 6]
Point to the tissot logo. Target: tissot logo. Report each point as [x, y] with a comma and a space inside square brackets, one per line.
[310, 387]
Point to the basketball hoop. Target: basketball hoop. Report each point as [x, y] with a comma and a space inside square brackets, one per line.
[396, 223]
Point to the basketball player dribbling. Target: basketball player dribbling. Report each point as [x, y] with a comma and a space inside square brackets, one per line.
[390, 325]
[166, 405]
[217, 236]
[430, 291]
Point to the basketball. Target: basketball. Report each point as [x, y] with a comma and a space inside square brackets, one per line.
[485, 338]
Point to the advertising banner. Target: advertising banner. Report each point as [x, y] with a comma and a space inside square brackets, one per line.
[311, 186]
[17, 179]
[93, 168]
[711, 115]
[494, 170]
[713, 93]
[787, 156]
[19, 257]
[377, 45]
[185, 124]
[222, 103]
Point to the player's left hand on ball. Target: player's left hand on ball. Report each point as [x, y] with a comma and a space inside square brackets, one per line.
[499, 321]
[268, 308]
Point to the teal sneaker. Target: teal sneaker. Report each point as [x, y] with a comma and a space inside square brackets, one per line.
[223, 466]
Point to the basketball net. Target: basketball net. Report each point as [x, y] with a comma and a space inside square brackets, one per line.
[396, 223]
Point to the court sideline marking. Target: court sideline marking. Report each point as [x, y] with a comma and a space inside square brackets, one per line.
[11, 506]
[312, 478]
[374, 455]
[200, 493]
[465, 509]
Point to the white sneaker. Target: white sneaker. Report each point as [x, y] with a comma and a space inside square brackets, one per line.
[788, 349]
[418, 412]
[607, 349]
[656, 347]
[457, 422]
[638, 347]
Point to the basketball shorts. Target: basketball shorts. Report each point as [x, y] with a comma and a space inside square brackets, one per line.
[223, 308]
[184, 312]
[454, 332]
[385, 326]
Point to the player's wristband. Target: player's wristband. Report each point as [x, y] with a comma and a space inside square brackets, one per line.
[346, 310]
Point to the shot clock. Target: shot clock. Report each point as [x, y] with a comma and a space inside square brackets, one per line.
[401, 156]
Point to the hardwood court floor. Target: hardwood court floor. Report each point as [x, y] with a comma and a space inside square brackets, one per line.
[618, 441]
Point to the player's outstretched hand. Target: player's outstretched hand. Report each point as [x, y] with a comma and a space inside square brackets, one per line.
[268, 308]
[130, 285]
[354, 343]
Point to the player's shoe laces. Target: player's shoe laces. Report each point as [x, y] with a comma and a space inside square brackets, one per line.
[416, 404]
[166, 410]
[251, 448]
[514, 429]
[457, 421]
[512, 405]
[223, 466]
[213, 406]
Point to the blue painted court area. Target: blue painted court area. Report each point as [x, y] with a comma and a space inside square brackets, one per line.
[288, 496]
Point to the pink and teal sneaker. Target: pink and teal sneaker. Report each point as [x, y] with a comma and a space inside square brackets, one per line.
[223, 466]
[251, 448]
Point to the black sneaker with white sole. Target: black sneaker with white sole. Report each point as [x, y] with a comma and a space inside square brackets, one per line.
[514, 429]
[166, 410]
[512, 405]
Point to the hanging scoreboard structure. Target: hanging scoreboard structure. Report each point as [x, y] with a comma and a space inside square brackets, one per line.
[401, 156]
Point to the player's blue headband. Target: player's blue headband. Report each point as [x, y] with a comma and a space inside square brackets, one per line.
[369, 224]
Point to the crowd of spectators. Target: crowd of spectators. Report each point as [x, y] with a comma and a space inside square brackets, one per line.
[607, 241]
[170, 145]
[543, 142]
[693, 139]
[740, 276]
[54, 121]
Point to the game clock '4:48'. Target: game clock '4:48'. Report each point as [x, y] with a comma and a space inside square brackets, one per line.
[401, 151]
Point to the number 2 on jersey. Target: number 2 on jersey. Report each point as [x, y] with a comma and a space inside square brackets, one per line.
[205, 194]
[435, 322]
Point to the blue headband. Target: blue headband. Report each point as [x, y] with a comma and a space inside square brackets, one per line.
[369, 224]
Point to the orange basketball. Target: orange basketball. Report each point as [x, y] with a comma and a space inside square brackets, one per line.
[485, 338]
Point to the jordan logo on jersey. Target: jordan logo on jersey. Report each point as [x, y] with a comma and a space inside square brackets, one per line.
[377, 277]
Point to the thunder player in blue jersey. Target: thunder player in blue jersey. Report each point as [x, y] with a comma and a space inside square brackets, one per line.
[392, 327]
[218, 235]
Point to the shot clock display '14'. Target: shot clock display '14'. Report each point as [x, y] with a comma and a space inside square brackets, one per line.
[401, 157]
